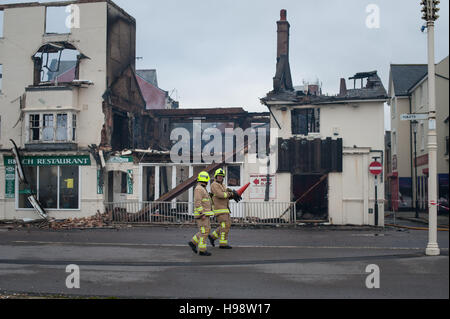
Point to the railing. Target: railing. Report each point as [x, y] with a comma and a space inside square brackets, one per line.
[243, 213]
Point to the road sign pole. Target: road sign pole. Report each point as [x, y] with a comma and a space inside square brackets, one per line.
[376, 200]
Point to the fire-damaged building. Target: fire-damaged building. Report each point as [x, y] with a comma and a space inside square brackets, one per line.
[82, 131]
[70, 98]
[326, 143]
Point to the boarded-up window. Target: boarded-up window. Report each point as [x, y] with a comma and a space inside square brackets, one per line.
[302, 156]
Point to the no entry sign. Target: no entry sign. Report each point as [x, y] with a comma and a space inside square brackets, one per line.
[375, 168]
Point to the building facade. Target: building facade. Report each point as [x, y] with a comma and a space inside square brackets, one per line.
[66, 97]
[408, 94]
[326, 143]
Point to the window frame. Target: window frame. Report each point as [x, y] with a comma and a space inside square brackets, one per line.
[60, 8]
[310, 114]
[71, 132]
[58, 192]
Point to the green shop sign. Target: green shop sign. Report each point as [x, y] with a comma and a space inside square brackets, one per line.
[81, 160]
[10, 181]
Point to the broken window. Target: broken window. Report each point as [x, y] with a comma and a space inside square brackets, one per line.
[53, 127]
[68, 187]
[44, 181]
[165, 179]
[26, 190]
[34, 127]
[55, 63]
[123, 183]
[48, 186]
[61, 127]
[47, 130]
[234, 175]
[121, 132]
[55, 20]
[74, 127]
[305, 121]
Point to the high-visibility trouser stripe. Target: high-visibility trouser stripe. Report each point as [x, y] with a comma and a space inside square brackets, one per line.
[222, 238]
[221, 211]
[206, 199]
[202, 244]
[223, 225]
[198, 209]
[195, 239]
[203, 229]
[205, 213]
[215, 234]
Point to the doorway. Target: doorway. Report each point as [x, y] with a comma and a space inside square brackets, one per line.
[313, 192]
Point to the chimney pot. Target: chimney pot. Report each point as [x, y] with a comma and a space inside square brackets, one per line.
[343, 87]
[283, 14]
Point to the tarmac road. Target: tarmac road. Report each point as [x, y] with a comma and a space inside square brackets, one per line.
[155, 262]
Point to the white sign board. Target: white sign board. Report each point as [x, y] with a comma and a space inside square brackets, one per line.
[413, 117]
[258, 184]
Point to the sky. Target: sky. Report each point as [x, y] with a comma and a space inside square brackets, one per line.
[222, 53]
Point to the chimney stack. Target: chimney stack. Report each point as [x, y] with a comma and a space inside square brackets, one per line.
[283, 35]
[343, 88]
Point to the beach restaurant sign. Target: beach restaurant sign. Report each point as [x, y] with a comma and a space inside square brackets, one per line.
[80, 160]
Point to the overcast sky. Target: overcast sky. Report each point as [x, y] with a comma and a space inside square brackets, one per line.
[218, 53]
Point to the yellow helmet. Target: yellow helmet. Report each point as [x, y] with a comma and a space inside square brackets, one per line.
[219, 172]
[203, 177]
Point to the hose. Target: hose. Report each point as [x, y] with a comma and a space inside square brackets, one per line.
[414, 228]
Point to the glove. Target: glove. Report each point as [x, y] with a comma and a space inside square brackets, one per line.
[236, 197]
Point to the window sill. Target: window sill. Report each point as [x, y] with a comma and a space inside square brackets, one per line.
[51, 146]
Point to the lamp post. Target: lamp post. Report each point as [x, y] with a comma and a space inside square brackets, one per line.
[414, 124]
[430, 10]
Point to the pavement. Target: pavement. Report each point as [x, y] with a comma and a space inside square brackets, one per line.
[274, 263]
[409, 217]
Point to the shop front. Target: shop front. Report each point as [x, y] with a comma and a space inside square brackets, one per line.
[60, 183]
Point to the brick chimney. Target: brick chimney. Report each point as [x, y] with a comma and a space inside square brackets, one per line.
[283, 35]
[343, 88]
[283, 80]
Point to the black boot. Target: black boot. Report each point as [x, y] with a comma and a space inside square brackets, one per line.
[204, 253]
[193, 247]
[225, 247]
[211, 240]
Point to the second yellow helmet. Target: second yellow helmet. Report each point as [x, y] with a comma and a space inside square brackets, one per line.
[203, 177]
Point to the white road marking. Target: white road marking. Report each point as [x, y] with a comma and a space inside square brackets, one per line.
[237, 246]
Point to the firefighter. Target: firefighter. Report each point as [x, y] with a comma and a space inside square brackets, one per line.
[221, 197]
[202, 213]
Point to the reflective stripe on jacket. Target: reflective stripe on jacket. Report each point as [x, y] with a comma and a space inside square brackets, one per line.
[202, 202]
[220, 198]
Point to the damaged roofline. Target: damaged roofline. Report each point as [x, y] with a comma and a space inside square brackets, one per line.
[62, 4]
